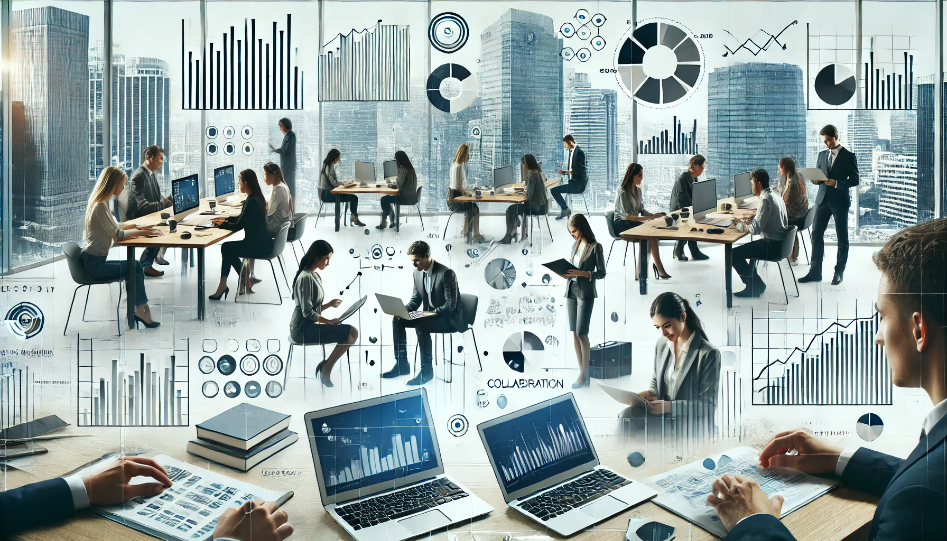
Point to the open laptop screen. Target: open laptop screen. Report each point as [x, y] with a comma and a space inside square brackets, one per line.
[377, 443]
[540, 443]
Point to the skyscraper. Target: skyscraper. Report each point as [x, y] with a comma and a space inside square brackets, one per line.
[925, 151]
[521, 90]
[904, 132]
[756, 115]
[896, 177]
[593, 121]
[351, 127]
[50, 94]
[861, 138]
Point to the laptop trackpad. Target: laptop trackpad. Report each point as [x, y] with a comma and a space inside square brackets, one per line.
[603, 507]
[425, 522]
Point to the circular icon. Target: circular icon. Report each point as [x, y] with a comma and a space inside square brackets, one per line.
[252, 389]
[598, 43]
[229, 132]
[659, 64]
[475, 132]
[567, 30]
[377, 251]
[448, 32]
[451, 88]
[230, 149]
[232, 345]
[502, 401]
[567, 53]
[206, 364]
[212, 149]
[582, 15]
[247, 149]
[246, 132]
[390, 251]
[232, 389]
[25, 319]
[249, 364]
[835, 84]
[583, 54]
[253, 345]
[457, 425]
[272, 365]
[598, 20]
[869, 427]
[211, 132]
[210, 389]
[226, 365]
[584, 33]
[274, 389]
[500, 273]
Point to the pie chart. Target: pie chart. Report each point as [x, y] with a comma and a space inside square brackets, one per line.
[516, 345]
[835, 84]
[659, 64]
[451, 88]
[869, 427]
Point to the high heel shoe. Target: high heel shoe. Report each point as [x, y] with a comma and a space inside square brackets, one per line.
[586, 383]
[223, 294]
[324, 381]
[356, 222]
[147, 325]
[659, 276]
[508, 238]
[382, 225]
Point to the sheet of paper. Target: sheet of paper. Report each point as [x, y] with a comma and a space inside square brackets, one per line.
[684, 489]
[627, 398]
[813, 173]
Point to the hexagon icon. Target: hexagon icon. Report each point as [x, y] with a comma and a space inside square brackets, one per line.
[567, 30]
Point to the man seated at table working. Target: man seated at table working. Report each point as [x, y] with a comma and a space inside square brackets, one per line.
[911, 305]
[144, 199]
[771, 222]
[47, 502]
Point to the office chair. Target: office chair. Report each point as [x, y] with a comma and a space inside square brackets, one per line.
[539, 226]
[279, 244]
[296, 232]
[470, 303]
[610, 222]
[289, 358]
[784, 252]
[322, 208]
[584, 200]
[81, 277]
[807, 226]
[417, 205]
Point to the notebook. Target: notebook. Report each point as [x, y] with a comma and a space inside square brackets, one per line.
[242, 426]
[239, 459]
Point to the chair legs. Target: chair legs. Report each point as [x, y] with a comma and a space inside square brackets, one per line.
[449, 216]
[70, 308]
[476, 348]
[612, 247]
[802, 240]
[118, 317]
[419, 216]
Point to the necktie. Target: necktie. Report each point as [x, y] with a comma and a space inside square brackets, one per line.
[831, 159]
[427, 291]
[923, 433]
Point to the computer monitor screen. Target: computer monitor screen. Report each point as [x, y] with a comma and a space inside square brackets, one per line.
[528, 448]
[502, 176]
[223, 180]
[374, 444]
[742, 185]
[705, 196]
[184, 194]
[365, 171]
[390, 168]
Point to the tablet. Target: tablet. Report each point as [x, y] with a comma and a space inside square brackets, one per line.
[627, 398]
[560, 266]
[352, 309]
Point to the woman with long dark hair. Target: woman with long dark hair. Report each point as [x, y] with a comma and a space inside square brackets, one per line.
[256, 243]
[589, 258]
[630, 212]
[329, 180]
[407, 189]
[307, 325]
[279, 210]
[793, 188]
[457, 188]
[535, 197]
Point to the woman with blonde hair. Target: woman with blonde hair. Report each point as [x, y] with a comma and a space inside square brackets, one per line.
[101, 231]
[793, 188]
[457, 188]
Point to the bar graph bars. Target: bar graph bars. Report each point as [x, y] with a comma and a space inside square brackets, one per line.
[834, 362]
[150, 390]
[373, 64]
[552, 443]
[243, 71]
[673, 141]
[889, 91]
[16, 395]
[404, 452]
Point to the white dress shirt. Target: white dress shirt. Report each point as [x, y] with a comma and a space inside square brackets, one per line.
[458, 177]
[571, 153]
[674, 371]
[833, 154]
[770, 220]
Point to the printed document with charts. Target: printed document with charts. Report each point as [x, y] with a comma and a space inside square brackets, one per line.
[190, 508]
[684, 490]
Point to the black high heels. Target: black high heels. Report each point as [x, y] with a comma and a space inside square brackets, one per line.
[223, 294]
[659, 276]
[147, 325]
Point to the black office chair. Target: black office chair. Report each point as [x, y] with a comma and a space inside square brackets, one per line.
[784, 252]
[296, 232]
[417, 205]
[289, 358]
[610, 222]
[81, 277]
[807, 226]
[279, 244]
[470, 303]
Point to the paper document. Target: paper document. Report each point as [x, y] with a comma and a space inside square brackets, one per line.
[190, 508]
[684, 490]
[813, 173]
[628, 398]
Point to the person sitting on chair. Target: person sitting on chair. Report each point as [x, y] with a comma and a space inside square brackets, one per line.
[770, 221]
[435, 290]
[630, 212]
[535, 198]
[682, 195]
[407, 189]
[793, 189]
[578, 176]
[279, 209]
[457, 188]
[328, 180]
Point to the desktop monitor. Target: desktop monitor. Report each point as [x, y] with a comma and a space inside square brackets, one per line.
[223, 182]
[185, 195]
[502, 176]
[742, 187]
[364, 172]
[704, 198]
[390, 168]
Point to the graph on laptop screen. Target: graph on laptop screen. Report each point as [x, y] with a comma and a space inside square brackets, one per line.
[530, 448]
[374, 444]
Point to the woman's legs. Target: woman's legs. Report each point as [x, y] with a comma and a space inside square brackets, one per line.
[386, 207]
[795, 250]
[100, 269]
[228, 259]
[337, 353]
[475, 219]
[656, 256]
[352, 200]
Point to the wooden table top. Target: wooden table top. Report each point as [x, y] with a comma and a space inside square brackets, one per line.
[502, 198]
[650, 229]
[199, 239]
[377, 188]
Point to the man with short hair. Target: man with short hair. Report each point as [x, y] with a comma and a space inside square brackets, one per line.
[772, 223]
[145, 198]
[435, 290]
[682, 195]
[578, 176]
[912, 327]
[287, 154]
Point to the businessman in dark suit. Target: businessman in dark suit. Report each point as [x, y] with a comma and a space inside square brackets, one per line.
[578, 176]
[912, 301]
[682, 195]
[287, 154]
[145, 198]
[435, 290]
[841, 168]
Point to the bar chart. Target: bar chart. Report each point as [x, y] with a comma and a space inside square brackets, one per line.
[547, 445]
[243, 71]
[16, 394]
[404, 452]
[819, 361]
[672, 141]
[373, 64]
[126, 388]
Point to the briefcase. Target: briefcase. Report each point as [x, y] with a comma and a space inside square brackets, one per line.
[610, 360]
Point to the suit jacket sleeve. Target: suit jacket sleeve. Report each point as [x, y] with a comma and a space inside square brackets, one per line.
[658, 359]
[760, 527]
[852, 178]
[251, 213]
[579, 172]
[683, 191]
[415, 301]
[451, 294]
[598, 273]
[138, 202]
[35, 505]
[870, 470]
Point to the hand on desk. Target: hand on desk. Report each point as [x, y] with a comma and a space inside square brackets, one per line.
[255, 520]
[813, 455]
[111, 486]
[737, 497]
[218, 221]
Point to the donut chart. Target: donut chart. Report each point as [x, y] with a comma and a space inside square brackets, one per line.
[835, 84]
[659, 64]
[451, 88]
[869, 427]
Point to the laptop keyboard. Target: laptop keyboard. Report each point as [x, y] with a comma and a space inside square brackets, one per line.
[416, 314]
[395, 505]
[573, 494]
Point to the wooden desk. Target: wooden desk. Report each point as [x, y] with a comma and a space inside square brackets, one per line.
[199, 240]
[649, 231]
[508, 198]
[381, 189]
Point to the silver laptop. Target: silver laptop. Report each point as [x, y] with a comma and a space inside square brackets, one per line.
[548, 469]
[380, 471]
[394, 307]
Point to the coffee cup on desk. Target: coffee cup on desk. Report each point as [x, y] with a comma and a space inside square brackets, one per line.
[212, 203]
[172, 226]
[164, 218]
[668, 221]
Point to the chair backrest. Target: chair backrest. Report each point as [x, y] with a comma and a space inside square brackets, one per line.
[279, 243]
[470, 303]
[298, 226]
[810, 218]
[418, 200]
[610, 223]
[786, 249]
[76, 269]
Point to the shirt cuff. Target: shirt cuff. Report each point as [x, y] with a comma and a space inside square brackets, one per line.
[843, 459]
[80, 498]
[744, 518]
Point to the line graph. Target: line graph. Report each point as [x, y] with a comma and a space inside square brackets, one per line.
[822, 360]
[750, 45]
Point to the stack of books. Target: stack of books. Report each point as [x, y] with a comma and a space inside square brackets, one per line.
[242, 437]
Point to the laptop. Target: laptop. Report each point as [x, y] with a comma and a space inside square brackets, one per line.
[364, 173]
[380, 472]
[548, 470]
[394, 307]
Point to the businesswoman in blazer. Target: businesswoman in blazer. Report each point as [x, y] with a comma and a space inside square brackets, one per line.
[686, 367]
[256, 243]
[407, 189]
[589, 257]
[308, 325]
[328, 180]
